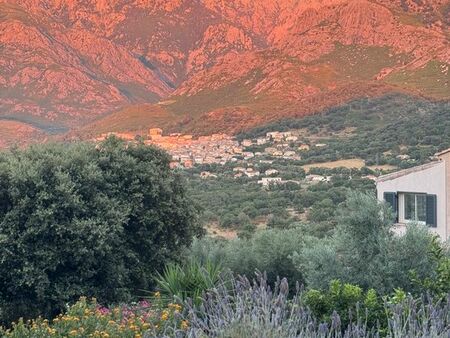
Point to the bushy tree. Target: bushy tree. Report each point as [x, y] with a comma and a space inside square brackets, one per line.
[80, 219]
[363, 250]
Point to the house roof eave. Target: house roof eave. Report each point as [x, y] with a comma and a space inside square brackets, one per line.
[408, 171]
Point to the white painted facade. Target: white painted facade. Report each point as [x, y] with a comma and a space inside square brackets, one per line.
[411, 188]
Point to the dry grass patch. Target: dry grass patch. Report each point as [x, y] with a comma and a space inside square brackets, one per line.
[355, 163]
[214, 230]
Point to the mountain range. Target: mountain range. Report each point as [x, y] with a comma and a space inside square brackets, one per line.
[80, 68]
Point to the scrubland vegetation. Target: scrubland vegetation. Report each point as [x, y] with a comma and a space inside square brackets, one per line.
[376, 129]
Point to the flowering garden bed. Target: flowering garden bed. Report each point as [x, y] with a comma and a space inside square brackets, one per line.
[86, 318]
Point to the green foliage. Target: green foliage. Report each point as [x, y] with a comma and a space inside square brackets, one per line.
[190, 280]
[346, 299]
[380, 125]
[406, 253]
[241, 203]
[354, 252]
[439, 283]
[322, 211]
[80, 219]
[268, 250]
[364, 251]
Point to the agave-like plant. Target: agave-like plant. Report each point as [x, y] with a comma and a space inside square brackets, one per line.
[180, 282]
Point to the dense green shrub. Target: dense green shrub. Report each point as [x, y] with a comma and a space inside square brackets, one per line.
[80, 219]
[353, 254]
[268, 250]
[346, 299]
[439, 283]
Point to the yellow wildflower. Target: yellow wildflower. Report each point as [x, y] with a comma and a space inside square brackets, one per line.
[184, 324]
[175, 307]
[165, 315]
[157, 294]
[51, 331]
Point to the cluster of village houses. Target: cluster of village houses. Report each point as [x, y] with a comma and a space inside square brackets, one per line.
[217, 148]
[186, 151]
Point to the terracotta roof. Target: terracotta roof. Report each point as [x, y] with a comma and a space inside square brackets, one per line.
[408, 171]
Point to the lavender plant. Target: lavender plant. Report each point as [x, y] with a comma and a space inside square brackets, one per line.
[253, 309]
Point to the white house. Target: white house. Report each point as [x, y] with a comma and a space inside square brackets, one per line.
[420, 194]
[266, 181]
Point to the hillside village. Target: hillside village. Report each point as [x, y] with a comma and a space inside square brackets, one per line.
[220, 149]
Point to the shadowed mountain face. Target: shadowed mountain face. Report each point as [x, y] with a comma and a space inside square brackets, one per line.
[207, 65]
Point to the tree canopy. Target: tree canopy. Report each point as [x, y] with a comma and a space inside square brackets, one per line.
[85, 219]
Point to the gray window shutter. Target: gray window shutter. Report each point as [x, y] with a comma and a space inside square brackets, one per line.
[391, 199]
[432, 211]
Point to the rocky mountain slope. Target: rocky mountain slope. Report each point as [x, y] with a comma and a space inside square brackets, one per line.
[210, 65]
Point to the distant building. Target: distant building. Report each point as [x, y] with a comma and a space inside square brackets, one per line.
[291, 138]
[188, 164]
[250, 173]
[271, 172]
[270, 150]
[237, 150]
[303, 147]
[275, 136]
[266, 181]
[247, 155]
[289, 153]
[155, 132]
[207, 174]
[247, 143]
[316, 178]
[174, 165]
[198, 160]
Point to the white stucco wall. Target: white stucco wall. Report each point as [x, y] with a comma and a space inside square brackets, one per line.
[428, 181]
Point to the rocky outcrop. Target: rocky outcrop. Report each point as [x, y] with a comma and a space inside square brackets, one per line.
[70, 62]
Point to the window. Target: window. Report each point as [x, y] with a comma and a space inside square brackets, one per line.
[416, 207]
[413, 207]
